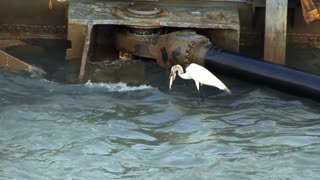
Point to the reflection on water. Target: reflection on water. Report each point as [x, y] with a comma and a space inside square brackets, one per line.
[51, 130]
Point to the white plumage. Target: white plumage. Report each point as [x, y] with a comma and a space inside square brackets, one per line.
[199, 74]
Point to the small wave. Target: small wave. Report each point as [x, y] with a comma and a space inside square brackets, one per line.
[117, 87]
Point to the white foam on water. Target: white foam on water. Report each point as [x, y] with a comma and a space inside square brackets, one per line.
[116, 87]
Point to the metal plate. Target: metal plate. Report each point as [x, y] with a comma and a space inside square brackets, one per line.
[111, 13]
[143, 9]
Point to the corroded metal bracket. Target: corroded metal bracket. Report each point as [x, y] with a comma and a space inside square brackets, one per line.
[139, 44]
[18, 31]
[181, 47]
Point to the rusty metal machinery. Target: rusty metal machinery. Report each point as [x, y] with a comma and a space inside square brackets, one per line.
[141, 10]
[180, 47]
[148, 30]
[151, 41]
[138, 42]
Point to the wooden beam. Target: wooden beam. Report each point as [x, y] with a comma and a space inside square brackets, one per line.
[275, 31]
[85, 53]
[12, 63]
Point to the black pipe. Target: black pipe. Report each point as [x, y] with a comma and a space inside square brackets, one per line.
[275, 76]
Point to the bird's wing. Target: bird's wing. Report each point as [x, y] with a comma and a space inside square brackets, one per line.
[202, 75]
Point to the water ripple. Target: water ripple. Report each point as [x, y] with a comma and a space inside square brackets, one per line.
[50, 130]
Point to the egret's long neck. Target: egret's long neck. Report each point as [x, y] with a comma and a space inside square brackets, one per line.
[181, 73]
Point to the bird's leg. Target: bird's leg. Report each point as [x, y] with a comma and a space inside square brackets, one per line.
[198, 98]
[202, 93]
[198, 88]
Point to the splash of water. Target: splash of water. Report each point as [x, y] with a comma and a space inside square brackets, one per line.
[116, 87]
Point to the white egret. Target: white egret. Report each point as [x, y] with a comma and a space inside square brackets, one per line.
[199, 74]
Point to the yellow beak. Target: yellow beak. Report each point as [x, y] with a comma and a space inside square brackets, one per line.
[171, 74]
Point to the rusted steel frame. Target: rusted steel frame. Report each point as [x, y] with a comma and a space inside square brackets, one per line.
[180, 16]
[23, 31]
